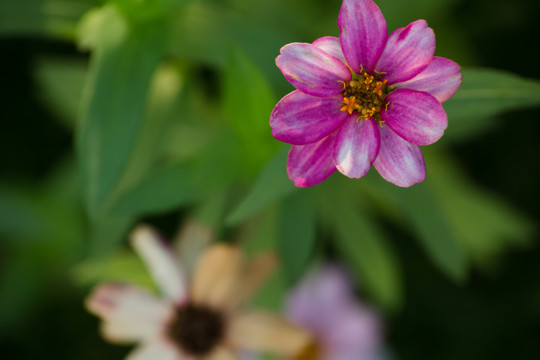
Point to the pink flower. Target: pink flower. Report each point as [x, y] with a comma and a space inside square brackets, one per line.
[343, 329]
[201, 319]
[365, 98]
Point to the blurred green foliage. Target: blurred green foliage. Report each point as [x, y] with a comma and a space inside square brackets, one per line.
[170, 113]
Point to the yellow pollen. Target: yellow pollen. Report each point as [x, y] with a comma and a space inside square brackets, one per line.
[379, 87]
[350, 105]
[365, 94]
[369, 80]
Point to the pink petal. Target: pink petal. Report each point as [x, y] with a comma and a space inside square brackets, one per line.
[302, 119]
[356, 146]
[416, 116]
[407, 53]
[363, 33]
[399, 162]
[332, 46]
[312, 70]
[441, 78]
[313, 302]
[129, 314]
[353, 333]
[311, 164]
[161, 262]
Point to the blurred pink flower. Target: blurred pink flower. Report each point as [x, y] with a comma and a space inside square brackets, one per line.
[343, 328]
[201, 320]
[364, 99]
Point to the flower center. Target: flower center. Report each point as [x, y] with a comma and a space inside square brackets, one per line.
[310, 352]
[196, 329]
[365, 94]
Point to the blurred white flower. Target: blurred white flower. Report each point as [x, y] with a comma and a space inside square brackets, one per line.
[202, 319]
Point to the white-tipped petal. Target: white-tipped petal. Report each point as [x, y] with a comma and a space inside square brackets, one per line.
[156, 350]
[129, 314]
[161, 262]
[260, 331]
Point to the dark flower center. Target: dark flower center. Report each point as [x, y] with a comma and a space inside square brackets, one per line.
[365, 94]
[310, 352]
[196, 329]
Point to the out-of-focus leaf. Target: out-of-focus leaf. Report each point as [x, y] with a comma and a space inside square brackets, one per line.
[296, 240]
[22, 279]
[163, 113]
[424, 212]
[194, 36]
[49, 18]
[43, 231]
[105, 233]
[61, 81]
[248, 103]
[122, 266]
[484, 224]
[271, 185]
[399, 13]
[148, 10]
[177, 184]
[485, 93]
[261, 233]
[365, 249]
[121, 69]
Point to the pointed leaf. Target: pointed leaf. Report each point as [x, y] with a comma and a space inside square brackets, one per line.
[365, 248]
[249, 100]
[296, 240]
[485, 93]
[435, 232]
[121, 69]
[271, 185]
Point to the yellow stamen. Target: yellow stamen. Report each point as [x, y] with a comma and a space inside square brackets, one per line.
[369, 80]
[350, 105]
[379, 87]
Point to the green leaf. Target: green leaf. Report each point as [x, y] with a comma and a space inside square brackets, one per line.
[116, 93]
[485, 93]
[61, 82]
[271, 184]
[296, 240]
[259, 234]
[178, 184]
[484, 223]
[194, 36]
[42, 230]
[148, 10]
[49, 18]
[424, 213]
[365, 249]
[248, 103]
[122, 266]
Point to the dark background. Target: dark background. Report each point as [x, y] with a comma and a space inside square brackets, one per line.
[494, 315]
